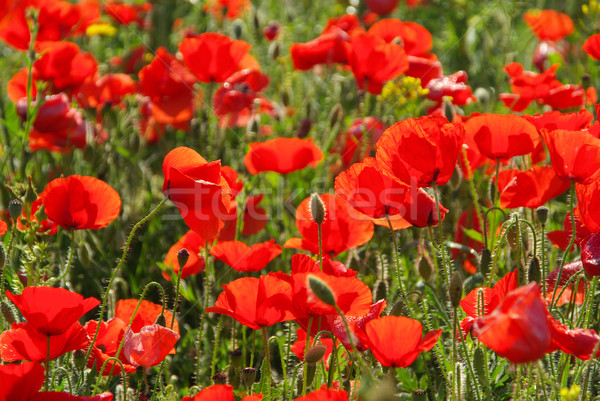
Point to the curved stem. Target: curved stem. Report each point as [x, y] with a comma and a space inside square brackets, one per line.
[70, 260]
[445, 267]
[267, 361]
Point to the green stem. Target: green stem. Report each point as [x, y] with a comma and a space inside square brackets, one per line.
[306, 347]
[401, 289]
[213, 362]
[47, 364]
[445, 267]
[267, 361]
[70, 260]
[176, 304]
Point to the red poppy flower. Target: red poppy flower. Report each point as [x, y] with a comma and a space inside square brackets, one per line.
[108, 90]
[355, 324]
[527, 86]
[592, 46]
[300, 344]
[302, 263]
[282, 155]
[518, 328]
[271, 30]
[80, 202]
[244, 258]
[352, 146]
[374, 61]
[230, 9]
[348, 23]
[414, 38]
[238, 100]
[256, 302]
[197, 189]
[146, 315]
[220, 392]
[63, 66]
[255, 217]
[531, 188]
[569, 293]
[20, 382]
[562, 238]
[426, 69]
[468, 221]
[149, 346]
[126, 14]
[590, 255]
[454, 86]
[382, 7]
[170, 87]
[578, 342]
[106, 345]
[341, 230]
[213, 57]
[568, 96]
[325, 395]
[328, 48]
[553, 120]
[51, 310]
[25, 342]
[396, 341]
[575, 155]
[421, 151]
[549, 24]
[59, 396]
[588, 199]
[194, 244]
[380, 197]
[502, 136]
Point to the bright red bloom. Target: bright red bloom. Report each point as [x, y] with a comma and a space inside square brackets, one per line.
[341, 230]
[25, 342]
[426, 69]
[588, 199]
[590, 255]
[553, 120]
[348, 23]
[518, 329]
[531, 188]
[282, 155]
[302, 263]
[549, 24]
[230, 9]
[592, 46]
[396, 341]
[374, 61]
[63, 66]
[256, 302]
[355, 324]
[126, 14]
[60, 396]
[198, 190]
[568, 96]
[421, 151]
[271, 30]
[244, 258]
[255, 217]
[220, 392]
[146, 315]
[575, 155]
[20, 382]
[502, 136]
[527, 86]
[238, 100]
[325, 395]
[382, 7]
[80, 202]
[380, 197]
[578, 342]
[352, 146]
[193, 243]
[51, 310]
[108, 90]
[570, 293]
[328, 48]
[415, 39]
[454, 86]
[149, 346]
[106, 345]
[561, 238]
[170, 87]
[213, 57]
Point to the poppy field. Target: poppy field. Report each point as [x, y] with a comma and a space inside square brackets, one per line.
[331, 200]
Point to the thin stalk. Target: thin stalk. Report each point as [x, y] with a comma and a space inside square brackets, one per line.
[306, 347]
[401, 289]
[70, 260]
[213, 362]
[176, 296]
[445, 266]
[267, 361]
[47, 364]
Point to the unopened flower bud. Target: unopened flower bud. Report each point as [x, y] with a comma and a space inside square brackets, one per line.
[161, 320]
[336, 114]
[448, 110]
[220, 378]
[456, 289]
[586, 81]
[317, 208]
[15, 207]
[2, 256]
[381, 290]
[237, 28]
[315, 354]
[484, 262]
[480, 365]
[309, 371]
[542, 214]
[7, 313]
[512, 236]
[30, 194]
[274, 50]
[182, 257]
[304, 128]
[321, 290]
[79, 359]
[534, 270]
[425, 269]
[397, 309]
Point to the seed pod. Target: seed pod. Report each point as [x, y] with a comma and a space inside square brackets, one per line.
[542, 214]
[480, 366]
[317, 208]
[534, 270]
[484, 262]
[419, 395]
[15, 207]
[321, 290]
[309, 371]
[425, 268]
[455, 290]
[248, 376]
[219, 378]
[79, 359]
[315, 354]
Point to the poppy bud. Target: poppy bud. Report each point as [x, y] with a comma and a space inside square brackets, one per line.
[274, 50]
[7, 313]
[542, 214]
[484, 261]
[15, 207]
[586, 81]
[317, 208]
[512, 236]
[161, 320]
[304, 128]
[335, 115]
[492, 191]
[285, 98]
[79, 359]
[236, 357]
[30, 194]
[419, 395]
[482, 95]
[397, 309]
[220, 378]
[248, 376]
[2, 256]
[309, 371]
[448, 110]
[321, 290]
[380, 290]
[315, 354]
[425, 269]
[237, 28]
[456, 289]
[534, 270]
[271, 31]
[480, 365]
[182, 257]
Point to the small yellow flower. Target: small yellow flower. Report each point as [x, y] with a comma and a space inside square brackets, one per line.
[570, 394]
[101, 29]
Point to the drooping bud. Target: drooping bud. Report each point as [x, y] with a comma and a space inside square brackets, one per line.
[534, 270]
[397, 309]
[315, 354]
[456, 289]
[182, 257]
[512, 236]
[321, 290]
[484, 262]
[425, 268]
[15, 207]
[317, 208]
[542, 214]
[480, 366]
